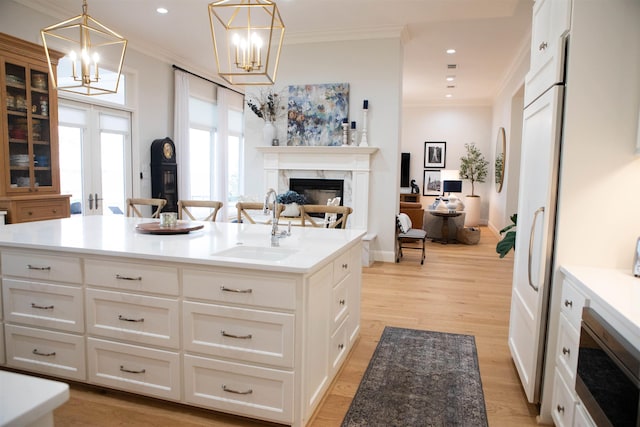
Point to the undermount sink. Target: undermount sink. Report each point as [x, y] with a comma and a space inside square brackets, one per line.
[258, 253]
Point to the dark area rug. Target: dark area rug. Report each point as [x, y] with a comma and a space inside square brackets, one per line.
[420, 378]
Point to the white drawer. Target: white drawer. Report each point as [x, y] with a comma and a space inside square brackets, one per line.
[133, 368]
[246, 390]
[144, 319]
[34, 265]
[563, 402]
[567, 350]
[257, 289]
[341, 267]
[571, 303]
[239, 333]
[339, 303]
[339, 347]
[128, 276]
[46, 305]
[54, 353]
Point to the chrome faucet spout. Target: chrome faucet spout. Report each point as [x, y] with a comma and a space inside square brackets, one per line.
[274, 220]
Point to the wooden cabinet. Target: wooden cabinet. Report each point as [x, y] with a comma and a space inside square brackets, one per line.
[409, 197]
[28, 134]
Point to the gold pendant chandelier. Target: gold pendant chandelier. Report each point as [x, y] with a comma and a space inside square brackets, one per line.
[93, 59]
[247, 39]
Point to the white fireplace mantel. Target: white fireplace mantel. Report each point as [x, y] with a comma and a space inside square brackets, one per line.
[356, 160]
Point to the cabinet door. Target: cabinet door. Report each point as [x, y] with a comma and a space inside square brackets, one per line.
[31, 134]
[534, 240]
[551, 21]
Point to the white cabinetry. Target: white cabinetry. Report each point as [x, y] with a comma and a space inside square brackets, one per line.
[43, 312]
[551, 21]
[262, 344]
[566, 409]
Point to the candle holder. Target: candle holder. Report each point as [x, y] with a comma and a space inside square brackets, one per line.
[354, 134]
[345, 134]
[363, 139]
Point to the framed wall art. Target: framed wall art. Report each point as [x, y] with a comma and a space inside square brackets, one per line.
[435, 154]
[432, 184]
[315, 113]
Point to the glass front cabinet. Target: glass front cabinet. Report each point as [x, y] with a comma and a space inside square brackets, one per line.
[30, 177]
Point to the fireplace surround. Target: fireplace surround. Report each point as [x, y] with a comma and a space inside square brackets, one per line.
[352, 164]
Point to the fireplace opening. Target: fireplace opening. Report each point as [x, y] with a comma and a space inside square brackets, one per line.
[318, 191]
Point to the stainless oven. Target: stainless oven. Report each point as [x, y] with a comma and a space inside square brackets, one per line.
[608, 376]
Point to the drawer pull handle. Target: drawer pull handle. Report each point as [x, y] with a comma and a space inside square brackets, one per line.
[120, 277]
[240, 337]
[131, 371]
[230, 390]
[565, 350]
[33, 267]
[126, 319]
[41, 307]
[560, 408]
[39, 353]
[568, 303]
[543, 46]
[238, 291]
[342, 302]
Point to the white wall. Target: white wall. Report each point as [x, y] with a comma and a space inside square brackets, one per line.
[456, 125]
[507, 113]
[600, 173]
[373, 69]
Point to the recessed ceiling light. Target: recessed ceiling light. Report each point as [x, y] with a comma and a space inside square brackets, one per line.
[451, 51]
[451, 78]
[162, 10]
[449, 95]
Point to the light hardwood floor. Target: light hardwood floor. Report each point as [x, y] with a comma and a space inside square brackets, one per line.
[459, 289]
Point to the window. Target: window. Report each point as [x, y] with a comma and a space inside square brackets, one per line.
[215, 167]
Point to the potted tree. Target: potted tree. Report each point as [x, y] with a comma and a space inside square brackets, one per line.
[474, 167]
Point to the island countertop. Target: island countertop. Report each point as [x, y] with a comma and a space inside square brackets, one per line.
[301, 252]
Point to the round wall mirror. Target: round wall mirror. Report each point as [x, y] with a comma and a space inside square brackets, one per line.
[501, 149]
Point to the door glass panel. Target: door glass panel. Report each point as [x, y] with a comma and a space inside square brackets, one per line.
[70, 146]
[112, 149]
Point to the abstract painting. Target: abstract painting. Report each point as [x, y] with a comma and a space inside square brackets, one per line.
[316, 112]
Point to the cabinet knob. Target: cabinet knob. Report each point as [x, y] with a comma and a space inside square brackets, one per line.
[341, 302]
[560, 408]
[568, 303]
[345, 266]
[29, 213]
[543, 46]
[55, 211]
[565, 350]
[340, 346]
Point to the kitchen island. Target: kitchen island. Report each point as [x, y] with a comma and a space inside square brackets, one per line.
[216, 318]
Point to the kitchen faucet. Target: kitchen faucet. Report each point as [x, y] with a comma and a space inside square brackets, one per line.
[275, 235]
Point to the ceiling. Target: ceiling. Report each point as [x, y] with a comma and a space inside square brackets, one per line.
[488, 35]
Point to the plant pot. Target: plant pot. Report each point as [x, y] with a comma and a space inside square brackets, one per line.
[472, 209]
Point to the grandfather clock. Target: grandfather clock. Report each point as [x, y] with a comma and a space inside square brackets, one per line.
[164, 173]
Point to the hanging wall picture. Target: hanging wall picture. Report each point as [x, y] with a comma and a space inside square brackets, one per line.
[316, 112]
[435, 154]
[432, 184]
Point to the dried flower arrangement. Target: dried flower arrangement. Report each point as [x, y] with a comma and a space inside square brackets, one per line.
[267, 105]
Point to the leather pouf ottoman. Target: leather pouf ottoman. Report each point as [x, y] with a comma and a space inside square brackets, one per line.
[468, 235]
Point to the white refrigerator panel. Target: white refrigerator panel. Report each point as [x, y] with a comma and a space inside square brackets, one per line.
[534, 238]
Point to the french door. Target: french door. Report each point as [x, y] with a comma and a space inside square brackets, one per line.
[95, 157]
